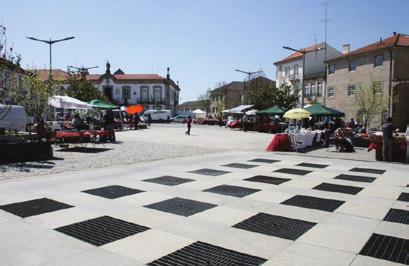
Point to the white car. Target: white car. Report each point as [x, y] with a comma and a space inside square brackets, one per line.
[180, 118]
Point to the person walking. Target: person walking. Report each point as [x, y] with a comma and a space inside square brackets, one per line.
[149, 119]
[387, 130]
[189, 125]
[244, 121]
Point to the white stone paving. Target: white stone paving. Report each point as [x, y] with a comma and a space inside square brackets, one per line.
[337, 238]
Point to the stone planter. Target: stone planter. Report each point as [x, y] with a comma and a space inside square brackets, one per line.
[28, 151]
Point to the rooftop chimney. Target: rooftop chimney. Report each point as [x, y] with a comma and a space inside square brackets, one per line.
[380, 40]
[394, 33]
[346, 48]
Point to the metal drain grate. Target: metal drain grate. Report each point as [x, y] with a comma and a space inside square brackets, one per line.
[397, 216]
[356, 178]
[338, 188]
[168, 180]
[260, 160]
[387, 248]
[102, 230]
[367, 170]
[404, 197]
[267, 179]
[179, 206]
[240, 165]
[293, 171]
[113, 192]
[328, 205]
[313, 165]
[34, 207]
[203, 254]
[273, 225]
[234, 191]
[207, 171]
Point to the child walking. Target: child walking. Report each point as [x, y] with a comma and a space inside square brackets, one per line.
[189, 125]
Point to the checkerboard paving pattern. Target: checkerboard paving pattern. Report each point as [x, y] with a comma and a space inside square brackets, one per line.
[265, 208]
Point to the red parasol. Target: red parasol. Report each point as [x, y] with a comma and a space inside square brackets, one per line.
[133, 109]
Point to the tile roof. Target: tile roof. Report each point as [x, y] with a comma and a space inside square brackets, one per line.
[58, 74]
[401, 40]
[297, 55]
[129, 77]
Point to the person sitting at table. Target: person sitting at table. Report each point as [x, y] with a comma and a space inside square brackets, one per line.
[78, 124]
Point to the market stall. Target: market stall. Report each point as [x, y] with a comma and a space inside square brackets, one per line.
[400, 143]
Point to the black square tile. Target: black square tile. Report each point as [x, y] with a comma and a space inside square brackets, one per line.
[168, 180]
[313, 165]
[102, 230]
[274, 225]
[338, 188]
[203, 254]
[207, 171]
[234, 191]
[387, 248]
[356, 178]
[260, 160]
[240, 165]
[404, 197]
[397, 216]
[267, 179]
[293, 171]
[180, 206]
[328, 205]
[34, 207]
[367, 170]
[113, 192]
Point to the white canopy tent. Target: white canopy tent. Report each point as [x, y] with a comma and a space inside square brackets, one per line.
[251, 112]
[66, 102]
[199, 113]
[240, 109]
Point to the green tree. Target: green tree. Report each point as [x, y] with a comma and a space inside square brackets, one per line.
[286, 97]
[371, 102]
[81, 88]
[261, 92]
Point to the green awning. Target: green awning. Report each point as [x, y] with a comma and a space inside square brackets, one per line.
[275, 110]
[323, 111]
[102, 105]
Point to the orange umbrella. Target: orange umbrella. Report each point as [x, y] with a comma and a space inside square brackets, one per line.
[133, 109]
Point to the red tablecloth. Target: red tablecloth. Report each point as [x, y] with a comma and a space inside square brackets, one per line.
[398, 152]
[67, 134]
[279, 142]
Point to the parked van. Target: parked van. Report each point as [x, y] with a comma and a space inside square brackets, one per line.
[13, 117]
[158, 115]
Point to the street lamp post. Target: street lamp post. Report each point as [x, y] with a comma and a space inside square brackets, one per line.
[50, 43]
[303, 52]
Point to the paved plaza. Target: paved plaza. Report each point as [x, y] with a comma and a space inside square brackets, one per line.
[241, 207]
[210, 202]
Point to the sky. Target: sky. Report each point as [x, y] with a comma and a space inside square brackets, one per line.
[201, 41]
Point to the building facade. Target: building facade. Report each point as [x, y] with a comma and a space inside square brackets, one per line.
[188, 107]
[384, 65]
[289, 71]
[151, 90]
[11, 75]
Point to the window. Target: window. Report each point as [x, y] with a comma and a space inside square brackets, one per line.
[296, 69]
[331, 92]
[287, 71]
[351, 90]
[378, 60]
[307, 90]
[378, 87]
[352, 65]
[313, 86]
[126, 92]
[144, 94]
[319, 89]
[157, 94]
[331, 69]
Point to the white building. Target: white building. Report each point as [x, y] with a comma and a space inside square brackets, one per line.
[151, 90]
[290, 69]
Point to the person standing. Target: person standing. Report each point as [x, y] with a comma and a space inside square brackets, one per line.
[387, 130]
[149, 119]
[244, 121]
[109, 124]
[136, 120]
[189, 125]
